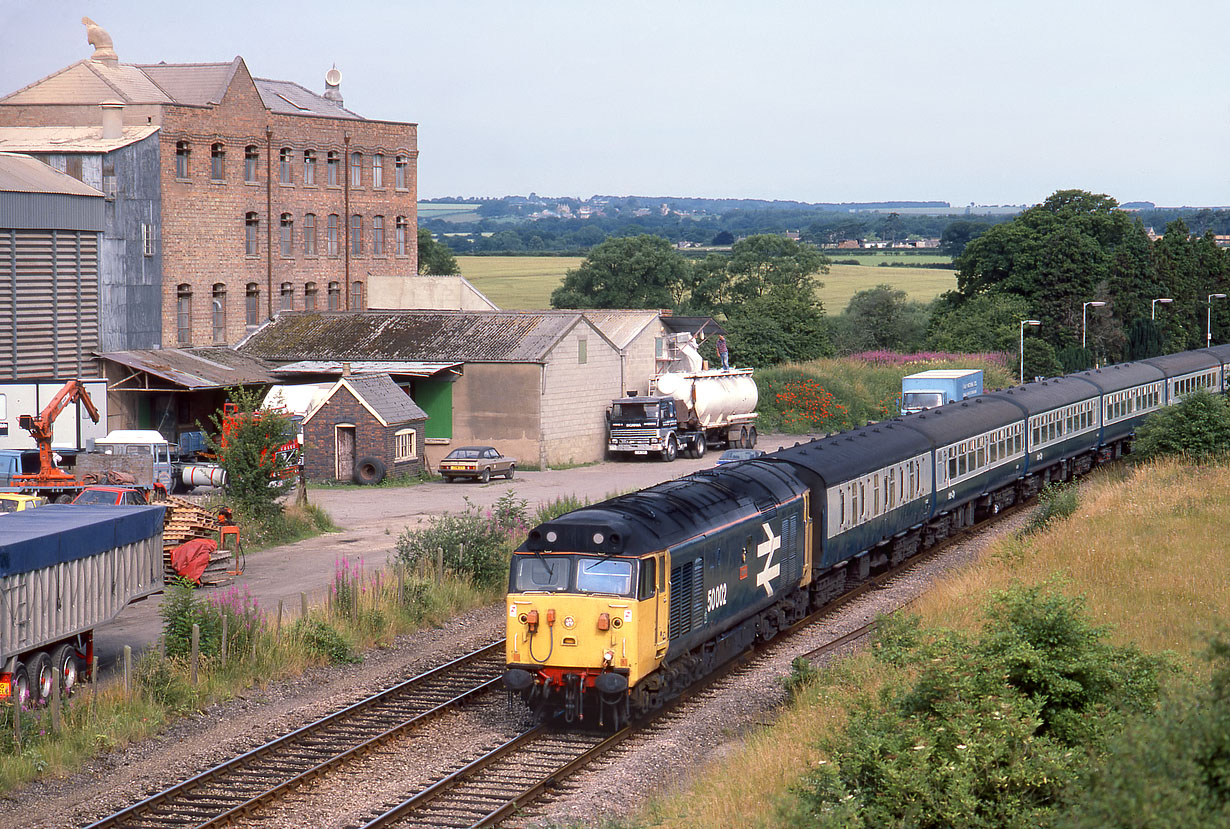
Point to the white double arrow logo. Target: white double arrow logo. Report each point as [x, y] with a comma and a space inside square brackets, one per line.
[771, 570]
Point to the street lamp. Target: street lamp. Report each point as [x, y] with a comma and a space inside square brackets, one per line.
[1023, 324]
[1208, 337]
[1153, 307]
[1095, 304]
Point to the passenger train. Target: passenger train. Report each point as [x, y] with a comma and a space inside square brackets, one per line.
[615, 607]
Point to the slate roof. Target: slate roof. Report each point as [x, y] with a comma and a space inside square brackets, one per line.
[196, 368]
[467, 336]
[22, 174]
[383, 398]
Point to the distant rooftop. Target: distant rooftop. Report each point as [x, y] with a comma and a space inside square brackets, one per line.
[23, 174]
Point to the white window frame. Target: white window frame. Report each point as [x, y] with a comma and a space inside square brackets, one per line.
[405, 445]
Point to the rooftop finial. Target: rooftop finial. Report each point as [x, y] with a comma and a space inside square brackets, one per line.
[104, 49]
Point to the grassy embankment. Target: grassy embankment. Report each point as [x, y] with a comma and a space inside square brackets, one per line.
[1147, 549]
[526, 282]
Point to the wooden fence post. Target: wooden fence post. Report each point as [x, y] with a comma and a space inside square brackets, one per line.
[55, 698]
[127, 669]
[196, 650]
[303, 605]
[278, 629]
[439, 565]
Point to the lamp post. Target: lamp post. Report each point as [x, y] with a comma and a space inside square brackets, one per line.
[1023, 324]
[1208, 337]
[1153, 307]
[1085, 305]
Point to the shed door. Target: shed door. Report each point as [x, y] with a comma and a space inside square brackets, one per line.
[345, 451]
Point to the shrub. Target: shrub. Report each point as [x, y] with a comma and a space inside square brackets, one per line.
[323, 639]
[1055, 501]
[164, 681]
[475, 545]
[989, 732]
[1198, 427]
[802, 674]
[560, 506]
[180, 610]
[243, 615]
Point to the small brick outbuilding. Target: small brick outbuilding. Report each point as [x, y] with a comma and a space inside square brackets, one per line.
[363, 429]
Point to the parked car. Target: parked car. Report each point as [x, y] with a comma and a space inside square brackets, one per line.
[479, 462]
[14, 502]
[732, 455]
[111, 496]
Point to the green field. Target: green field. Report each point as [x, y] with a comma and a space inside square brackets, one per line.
[526, 282]
[448, 212]
[875, 257]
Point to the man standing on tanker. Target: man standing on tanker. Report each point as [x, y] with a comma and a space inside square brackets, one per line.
[723, 352]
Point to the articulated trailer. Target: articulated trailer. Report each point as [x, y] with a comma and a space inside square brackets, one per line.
[64, 570]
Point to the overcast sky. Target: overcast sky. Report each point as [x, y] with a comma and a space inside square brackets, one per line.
[982, 101]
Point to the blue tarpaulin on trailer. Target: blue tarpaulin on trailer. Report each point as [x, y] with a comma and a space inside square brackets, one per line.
[37, 538]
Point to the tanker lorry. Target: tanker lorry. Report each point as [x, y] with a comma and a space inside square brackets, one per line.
[686, 411]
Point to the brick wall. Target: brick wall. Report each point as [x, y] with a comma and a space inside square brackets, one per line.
[204, 225]
[371, 438]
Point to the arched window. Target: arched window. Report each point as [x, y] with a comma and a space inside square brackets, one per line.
[309, 296]
[219, 313]
[378, 170]
[332, 162]
[288, 235]
[335, 296]
[252, 304]
[183, 314]
[356, 169]
[252, 234]
[182, 151]
[356, 296]
[400, 168]
[288, 297]
[251, 155]
[356, 235]
[217, 162]
[284, 161]
[378, 235]
[309, 234]
[309, 167]
[402, 226]
[331, 233]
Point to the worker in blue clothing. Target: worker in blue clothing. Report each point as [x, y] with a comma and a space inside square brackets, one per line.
[723, 352]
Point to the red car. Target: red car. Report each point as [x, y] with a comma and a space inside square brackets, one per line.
[111, 496]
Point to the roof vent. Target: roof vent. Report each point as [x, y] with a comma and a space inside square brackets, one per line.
[333, 85]
[104, 48]
[112, 119]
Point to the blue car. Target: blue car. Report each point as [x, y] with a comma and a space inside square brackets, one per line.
[732, 455]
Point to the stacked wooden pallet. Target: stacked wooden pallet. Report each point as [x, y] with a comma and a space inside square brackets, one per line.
[185, 521]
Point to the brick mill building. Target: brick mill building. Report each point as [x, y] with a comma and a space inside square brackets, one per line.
[229, 198]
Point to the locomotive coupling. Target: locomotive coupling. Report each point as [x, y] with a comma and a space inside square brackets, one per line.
[610, 683]
[518, 679]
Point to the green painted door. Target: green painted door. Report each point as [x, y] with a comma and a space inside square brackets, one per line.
[435, 397]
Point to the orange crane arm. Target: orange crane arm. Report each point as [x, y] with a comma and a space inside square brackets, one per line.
[40, 428]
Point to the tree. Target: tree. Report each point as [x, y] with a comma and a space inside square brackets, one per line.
[987, 322]
[723, 238]
[756, 266]
[1144, 340]
[883, 317]
[247, 448]
[960, 233]
[1198, 428]
[631, 272]
[434, 258]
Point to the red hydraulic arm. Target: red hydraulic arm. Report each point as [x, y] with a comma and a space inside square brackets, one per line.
[40, 429]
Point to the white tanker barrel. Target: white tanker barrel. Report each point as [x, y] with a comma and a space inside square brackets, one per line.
[712, 398]
[200, 474]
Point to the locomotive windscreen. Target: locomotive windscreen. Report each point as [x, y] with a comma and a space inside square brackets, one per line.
[577, 574]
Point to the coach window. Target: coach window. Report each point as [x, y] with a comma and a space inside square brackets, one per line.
[841, 506]
[646, 579]
[251, 155]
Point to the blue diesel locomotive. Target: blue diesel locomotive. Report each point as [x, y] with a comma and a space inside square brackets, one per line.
[618, 606]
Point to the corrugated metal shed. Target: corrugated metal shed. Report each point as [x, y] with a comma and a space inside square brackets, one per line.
[68, 139]
[23, 174]
[461, 336]
[195, 368]
[33, 196]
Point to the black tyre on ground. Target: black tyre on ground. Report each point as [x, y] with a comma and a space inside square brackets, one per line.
[65, 658]
[484, 476]
[511, 471]
[39, 671]
[671, 451]
[369, 470]
[448, 479]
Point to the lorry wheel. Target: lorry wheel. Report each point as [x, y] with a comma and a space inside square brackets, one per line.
[743, 440]
[752, 438]
[484, 476]
[39, 672]
[369, 470]
[671, 450]
[20, 680]
[65, 658]
[698, 451]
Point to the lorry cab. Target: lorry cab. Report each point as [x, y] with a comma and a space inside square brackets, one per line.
[141, 443]
[934, 388]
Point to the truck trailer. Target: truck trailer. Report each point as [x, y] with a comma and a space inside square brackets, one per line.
[65, 570]
[929, 389]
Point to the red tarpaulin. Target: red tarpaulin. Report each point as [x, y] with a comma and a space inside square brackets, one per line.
[192, 557]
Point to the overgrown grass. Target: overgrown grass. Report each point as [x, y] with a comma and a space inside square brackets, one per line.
[835, 394]
[363, 607]
[1146, 548]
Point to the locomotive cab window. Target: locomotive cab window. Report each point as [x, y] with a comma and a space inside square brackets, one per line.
[604, 575]
[541, 573]
[646, 579]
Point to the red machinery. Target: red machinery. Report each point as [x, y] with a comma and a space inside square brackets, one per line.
[40, 428]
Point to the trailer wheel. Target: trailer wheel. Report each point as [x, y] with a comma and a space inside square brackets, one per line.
[40, 677]
[369, 470]
[20, 680]
[671, 451]
[65, 658]
[752, 438]
[698, 451]
[743, 439]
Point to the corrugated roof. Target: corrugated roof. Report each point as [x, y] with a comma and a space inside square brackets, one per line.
[385, 398]
[409, 369]
[468, 336]
[22, 174]
[68, 139]
[196, 368]
[621, 326]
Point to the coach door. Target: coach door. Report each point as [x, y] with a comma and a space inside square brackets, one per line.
[662, 640]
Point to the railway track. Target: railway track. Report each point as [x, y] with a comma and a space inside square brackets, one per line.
[251, 780]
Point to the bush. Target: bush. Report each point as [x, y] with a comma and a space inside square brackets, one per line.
[180, 611]
[560, 506]
[1198, 428]
[989, 732]
[1055, 501]
[802, 674]
[324, 640]
[163, 680]
[475, 545]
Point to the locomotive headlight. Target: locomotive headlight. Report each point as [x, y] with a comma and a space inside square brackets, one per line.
[598, 538]
[569, 621]
[608, 656]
